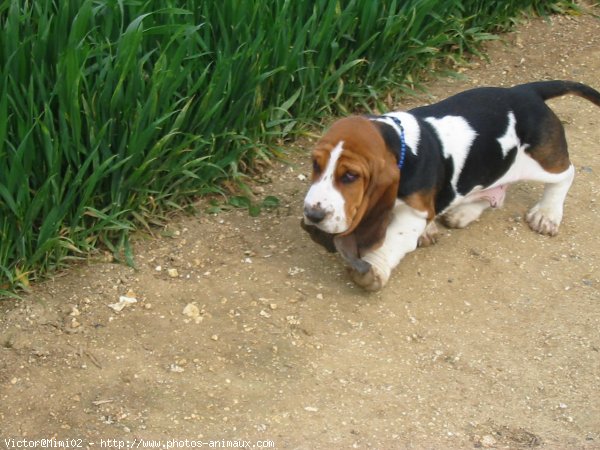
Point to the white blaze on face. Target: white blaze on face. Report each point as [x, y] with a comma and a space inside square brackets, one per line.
[324, 195]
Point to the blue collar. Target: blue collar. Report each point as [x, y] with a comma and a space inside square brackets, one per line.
[402, 155]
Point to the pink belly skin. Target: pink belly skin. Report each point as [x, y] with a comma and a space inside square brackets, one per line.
[494, 195]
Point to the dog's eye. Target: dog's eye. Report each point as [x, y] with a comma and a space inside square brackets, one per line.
[349, 177]
[316, 167]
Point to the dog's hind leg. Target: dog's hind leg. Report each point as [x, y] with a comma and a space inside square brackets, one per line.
[557, 173]
[546, 215]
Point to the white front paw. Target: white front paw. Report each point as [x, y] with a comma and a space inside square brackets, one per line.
[373, 279]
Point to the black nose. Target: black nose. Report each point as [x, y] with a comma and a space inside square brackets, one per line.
[315, 215]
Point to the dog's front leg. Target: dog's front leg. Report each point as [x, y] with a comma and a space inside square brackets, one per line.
[401, 237]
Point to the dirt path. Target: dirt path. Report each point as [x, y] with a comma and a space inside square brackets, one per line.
[490, 338]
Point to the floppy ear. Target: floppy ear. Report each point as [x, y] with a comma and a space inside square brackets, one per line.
[374, 214]
[348, 248]
[319, 236]
[346, 245]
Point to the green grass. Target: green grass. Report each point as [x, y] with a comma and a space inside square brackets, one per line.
[113, 112]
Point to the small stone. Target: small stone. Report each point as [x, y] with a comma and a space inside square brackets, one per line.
[292, 320]
[264, 314]
[319, 296]
[176, 368]
[74, 312]
[311, 408]
[123, 302]
[158, 268]
[214, 337]
[488, 441]
[14, 380]
[173, 273]
[295, 271]
[193, 312]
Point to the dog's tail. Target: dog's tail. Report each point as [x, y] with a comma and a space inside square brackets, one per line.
[551, 89]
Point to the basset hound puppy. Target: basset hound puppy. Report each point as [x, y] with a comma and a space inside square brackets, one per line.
[379, 182]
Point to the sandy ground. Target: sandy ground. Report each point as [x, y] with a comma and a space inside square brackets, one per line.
[490, 338]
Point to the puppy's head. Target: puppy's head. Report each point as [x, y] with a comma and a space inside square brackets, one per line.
[354, 181]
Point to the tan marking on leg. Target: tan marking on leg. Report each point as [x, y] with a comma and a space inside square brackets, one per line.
[425, 201]
[552, 153]
[422, 201]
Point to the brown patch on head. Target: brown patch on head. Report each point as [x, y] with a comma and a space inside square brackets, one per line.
[366, 175]
[552, 153]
